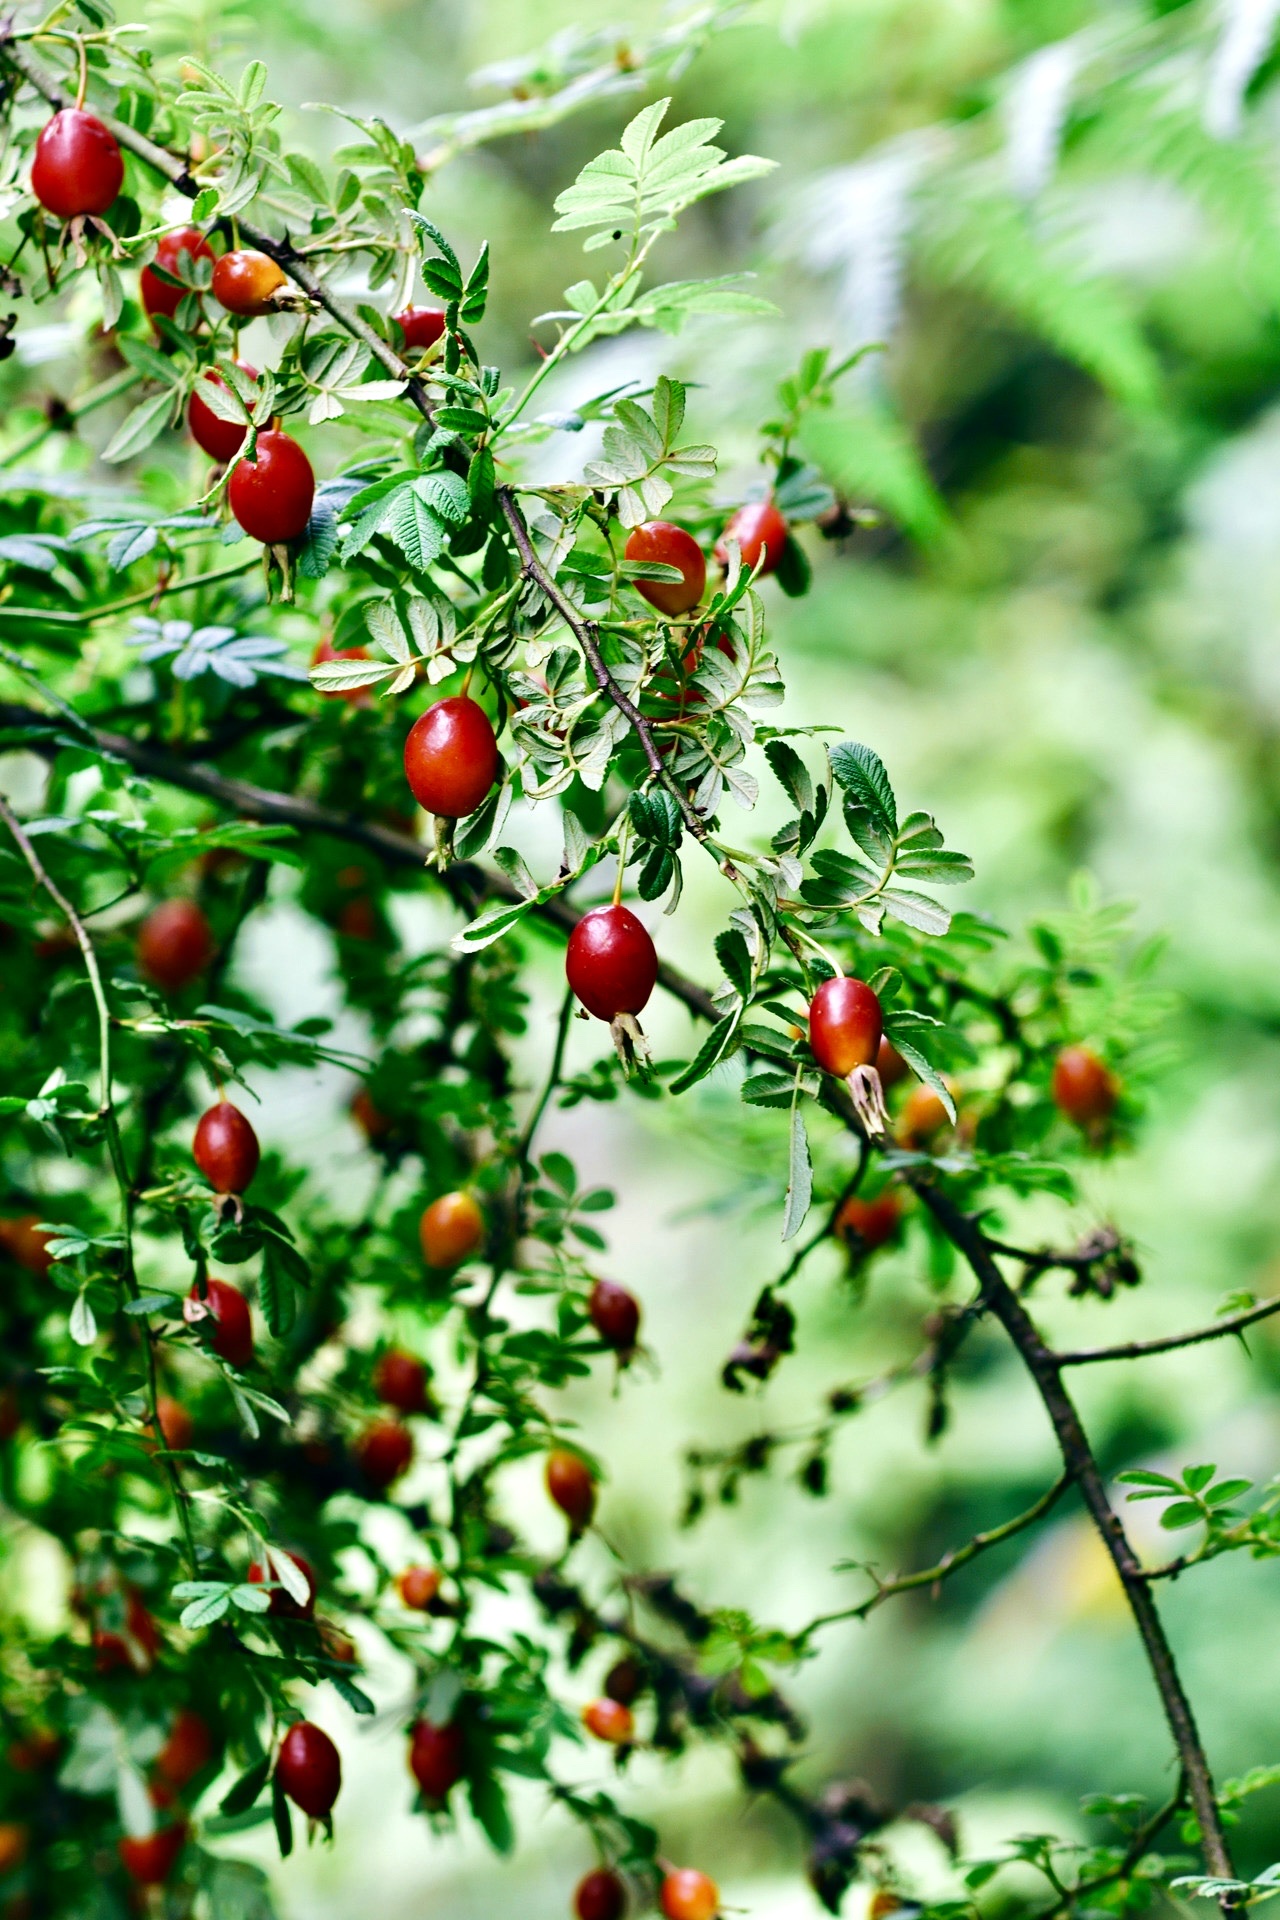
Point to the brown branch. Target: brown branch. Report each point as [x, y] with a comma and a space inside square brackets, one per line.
[179, 176]
[586, 633]
[1045, 1368]
[1171, 1342]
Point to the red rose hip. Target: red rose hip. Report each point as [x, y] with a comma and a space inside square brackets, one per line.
[151, 1860]
[384, 1452]
[844, 1025]
[244, 281]
[271, 491]
[600, 1896]
[1084, 1089]
[401, 1381]
[615, 1315]
[175, 944]
[571, 1486]
[611, 963]
[158, 297]
[451, 1229]
[437, 1758]
[609, 1720]
[177, 1429]
[310, 1769]
[226, 1148]
[758, 529]
[418, 1587]
[281, 1604]
[186, 1752]
[220, 439]
[868, 1224]
[226, 1313]
[78, 167]
[662, 542]
[451, 757]
[689, 1895]
[421, 327]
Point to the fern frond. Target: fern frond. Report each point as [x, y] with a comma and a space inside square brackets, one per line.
[869, 455]
[1034, 110]
[1248, 29]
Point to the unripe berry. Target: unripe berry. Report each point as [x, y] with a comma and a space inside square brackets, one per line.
[571, 1486]
[451, 757]
[150, 1861]
[611, 963]
[758, 529]
[868, 1224]
[177, 1429]
[689, 1895]
[401, 1381]
[418, 1587]
[78, 167]
[158, 297]
[661, 542]
[175, 944]
[421, 327]
[383, 1452]
[226, 1148]
[310, 1769]
[451, 1230]
[272, 490]
[600, 1896]
[187, 1751]
[282, 1604]
[244, 281]
[609, 1720]
[1084, 1089]
[844, 1025]
[220, 439]
[437, 1758]
[224, 1321]
[615, 1315]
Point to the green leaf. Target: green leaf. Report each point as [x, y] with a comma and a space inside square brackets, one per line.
[145, 424]
[799, 1174]
[715, 1048]
[489, 1805]
[862, 775]
[242, 1794]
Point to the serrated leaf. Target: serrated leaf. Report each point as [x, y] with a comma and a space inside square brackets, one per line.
[799, 1176]
[863, 776]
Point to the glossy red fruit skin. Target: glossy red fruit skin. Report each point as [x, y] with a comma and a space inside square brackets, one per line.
[149, 1862]
[451, 757]
[869, 1224]
[689, 1895]
[220, 439]
[571, 1486]
[418, 1587]
[600, 1896]
[615, 1315]
[1084, 1089]
[844, 1025]
[310, 1769]
[609, 1720]
[421, 326]
[158, 297]
[384, 1451]
[272, 495]
[282, 1604]
[758, 529]
[437, 1758]
[244, 281]
[354, 696]
[175, 944]
[611, 963]
[78, 166]
[451, 1229]
[401, 1381]
[232, 1337]
[226, 1148]
[186, 1752]
[661, 541]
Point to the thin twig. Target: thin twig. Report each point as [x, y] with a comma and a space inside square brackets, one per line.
[60, 617]
[1171, 1342]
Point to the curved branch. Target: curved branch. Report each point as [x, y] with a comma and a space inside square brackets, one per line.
[1172, 1342]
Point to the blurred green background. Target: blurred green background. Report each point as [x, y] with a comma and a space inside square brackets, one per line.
[1060, 217]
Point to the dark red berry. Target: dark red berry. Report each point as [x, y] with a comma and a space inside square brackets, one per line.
[158, 296]
[663, 543]
[401, 1380]
[150, 1861]
[758, 529]
[78, 166]
[224, 1319]
[135, 1645]
[451, 757]
[868, 1224]
[421, 326]
[609, 1720]
[272, 490]
[615, 1315]
[844, 1025]
[187, 1751]
[220, 439]
[282, 1604]
[226, 1148]
[354, 696]
[451, 1229]
[1084, 1089]
[437, 1758]
[600, 1896]
[372, 1122]
[624, 1680]
[310, 1769]
[175, 944]
[384, 1451]
[611, 964]
[571, 1486]
[244, 281]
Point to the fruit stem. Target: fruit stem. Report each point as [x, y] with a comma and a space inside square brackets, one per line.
[624, 834]
[83, 87]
